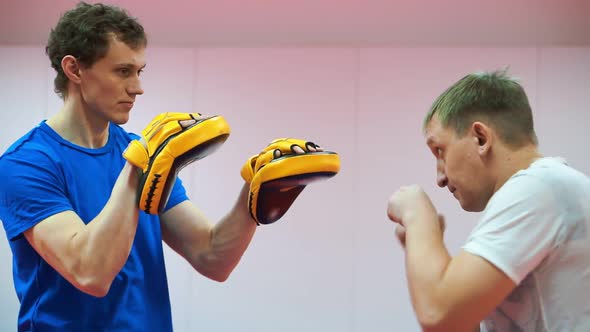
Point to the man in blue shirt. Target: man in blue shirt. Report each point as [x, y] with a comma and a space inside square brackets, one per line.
[85, 257]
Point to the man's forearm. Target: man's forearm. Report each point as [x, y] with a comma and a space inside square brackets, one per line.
[230, 238]
[106, 241]
[426, 261]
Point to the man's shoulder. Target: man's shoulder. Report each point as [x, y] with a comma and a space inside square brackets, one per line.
[539, 174]
[28, 144]
[544, 187]
[553, 174]
[31, 152]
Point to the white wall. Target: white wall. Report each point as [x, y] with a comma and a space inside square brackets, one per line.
[332, 263]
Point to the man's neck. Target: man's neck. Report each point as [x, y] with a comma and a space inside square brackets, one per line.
[511, 161]
[79, 125]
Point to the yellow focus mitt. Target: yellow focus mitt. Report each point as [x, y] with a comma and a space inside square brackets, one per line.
[279, 173]
[172, 141]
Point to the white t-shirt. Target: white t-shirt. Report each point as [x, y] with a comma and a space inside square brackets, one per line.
[535, 229]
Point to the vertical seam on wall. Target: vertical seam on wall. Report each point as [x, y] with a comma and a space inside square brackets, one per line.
[49, 83]
[195, 79]
[537, 86]
[356, 181]
[194, 91]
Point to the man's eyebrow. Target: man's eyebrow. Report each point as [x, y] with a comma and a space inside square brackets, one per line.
[130, 65]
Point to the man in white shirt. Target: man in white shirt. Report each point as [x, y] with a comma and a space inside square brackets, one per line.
[526, 264]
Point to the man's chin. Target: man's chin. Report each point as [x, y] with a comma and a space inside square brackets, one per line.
[120, 120]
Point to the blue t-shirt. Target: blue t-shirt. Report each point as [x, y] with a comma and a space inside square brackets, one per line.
[42, 174]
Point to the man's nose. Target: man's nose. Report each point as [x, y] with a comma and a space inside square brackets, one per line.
[441, 180]
[441, 176]
[135, 87]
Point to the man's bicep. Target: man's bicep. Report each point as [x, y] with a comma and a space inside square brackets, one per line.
[472, 287]
[52, 240]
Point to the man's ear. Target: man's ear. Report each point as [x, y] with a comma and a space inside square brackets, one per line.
[483, 135]
[71, 68]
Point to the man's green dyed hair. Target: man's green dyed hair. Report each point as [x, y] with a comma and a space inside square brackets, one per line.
[490, 97]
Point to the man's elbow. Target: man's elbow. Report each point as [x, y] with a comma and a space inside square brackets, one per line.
[434, 327]
[439, 321]
[431, 320]
[93, 286]
[212, 267]
[216, 274]
[219, 277]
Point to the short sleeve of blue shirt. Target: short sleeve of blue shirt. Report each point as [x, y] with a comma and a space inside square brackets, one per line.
[31, 189]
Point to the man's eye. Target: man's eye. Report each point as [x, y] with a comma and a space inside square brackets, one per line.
[124, 71]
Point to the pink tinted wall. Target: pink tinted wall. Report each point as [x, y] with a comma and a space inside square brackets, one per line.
[332, 263]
